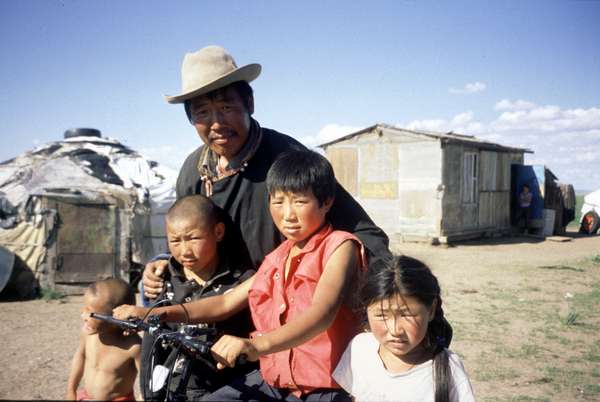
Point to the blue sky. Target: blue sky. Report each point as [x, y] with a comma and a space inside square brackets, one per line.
[522, 73]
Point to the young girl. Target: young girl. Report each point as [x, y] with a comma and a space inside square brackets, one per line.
[403, 357]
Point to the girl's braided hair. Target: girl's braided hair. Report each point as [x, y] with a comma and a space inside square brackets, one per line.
[407, 276]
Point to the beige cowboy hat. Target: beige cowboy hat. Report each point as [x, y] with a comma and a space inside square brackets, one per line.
[208, 69]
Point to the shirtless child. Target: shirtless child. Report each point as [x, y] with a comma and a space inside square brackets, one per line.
[107, 360]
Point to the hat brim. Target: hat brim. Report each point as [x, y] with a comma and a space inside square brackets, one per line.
[245, 73]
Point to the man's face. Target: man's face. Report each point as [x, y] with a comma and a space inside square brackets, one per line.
[222, 121]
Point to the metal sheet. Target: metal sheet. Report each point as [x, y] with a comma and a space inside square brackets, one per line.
[87, 242]
[84, 268]
[86, 228]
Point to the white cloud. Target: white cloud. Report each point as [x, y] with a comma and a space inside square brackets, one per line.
[328, 133]
[462, 123]
[565, 140]
[519, 104]
[462, 118]
[548, 118]
[427, 125]
[469, 88]
[587, 156]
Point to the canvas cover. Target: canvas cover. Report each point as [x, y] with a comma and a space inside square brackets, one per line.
[81, 170]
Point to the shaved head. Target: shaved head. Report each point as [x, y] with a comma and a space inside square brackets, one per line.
[193, 207]
[113, 292]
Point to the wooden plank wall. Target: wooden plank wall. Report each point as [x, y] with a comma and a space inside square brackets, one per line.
[345, 165]
[494, 186]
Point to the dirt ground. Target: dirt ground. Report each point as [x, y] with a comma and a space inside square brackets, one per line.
[40, 336]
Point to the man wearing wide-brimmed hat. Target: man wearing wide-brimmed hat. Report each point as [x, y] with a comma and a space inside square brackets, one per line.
[232, 164]
[219, 102]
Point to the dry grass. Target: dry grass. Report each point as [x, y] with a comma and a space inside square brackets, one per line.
[535, 342]
[527, 326]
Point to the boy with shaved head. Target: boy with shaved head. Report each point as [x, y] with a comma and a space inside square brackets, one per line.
[107, 360]
[198, 268]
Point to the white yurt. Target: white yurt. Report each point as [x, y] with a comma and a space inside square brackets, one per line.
[81, 209]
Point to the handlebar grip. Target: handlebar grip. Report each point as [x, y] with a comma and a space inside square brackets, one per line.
[192, 345]
[136, 324]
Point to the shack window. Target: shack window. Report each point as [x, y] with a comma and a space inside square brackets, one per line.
[470, 178]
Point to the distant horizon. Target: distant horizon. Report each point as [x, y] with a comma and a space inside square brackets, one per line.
[577, 191]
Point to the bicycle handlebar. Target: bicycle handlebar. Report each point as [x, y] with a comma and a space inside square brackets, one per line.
[181, 338]
[187, 341]
[134, 324]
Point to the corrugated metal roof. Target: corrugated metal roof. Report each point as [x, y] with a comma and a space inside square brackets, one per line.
[449, 138]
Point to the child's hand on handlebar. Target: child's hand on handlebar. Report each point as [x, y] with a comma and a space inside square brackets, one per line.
[228, 349]
[125, 312]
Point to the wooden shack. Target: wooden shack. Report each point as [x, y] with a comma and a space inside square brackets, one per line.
[429, 186]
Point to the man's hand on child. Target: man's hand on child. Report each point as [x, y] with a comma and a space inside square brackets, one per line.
[229, 348]
[152, 278]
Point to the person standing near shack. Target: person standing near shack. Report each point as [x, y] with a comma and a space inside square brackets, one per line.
[231, 165]
[524, 213]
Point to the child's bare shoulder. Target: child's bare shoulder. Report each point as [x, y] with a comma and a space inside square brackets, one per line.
[125, 342]
[131, 344]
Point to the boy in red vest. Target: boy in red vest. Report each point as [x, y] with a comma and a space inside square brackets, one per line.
[299, 298]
